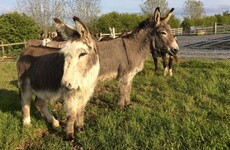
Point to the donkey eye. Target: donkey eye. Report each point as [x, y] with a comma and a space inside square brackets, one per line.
[82, 54]
[164, 33]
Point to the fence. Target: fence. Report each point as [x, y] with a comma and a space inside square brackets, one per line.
[11, 44]
[223, 29]
[177, 31]
[198, 30]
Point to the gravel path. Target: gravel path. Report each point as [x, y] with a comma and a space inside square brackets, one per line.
[202, 46]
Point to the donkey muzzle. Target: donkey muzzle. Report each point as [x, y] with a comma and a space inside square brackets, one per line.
[173, 51]
[69, 86]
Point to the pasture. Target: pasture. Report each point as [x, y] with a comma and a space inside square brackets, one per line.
[190, 110]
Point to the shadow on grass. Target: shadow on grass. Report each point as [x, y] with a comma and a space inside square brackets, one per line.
[10, 104]
[101, 102]
[9, 101]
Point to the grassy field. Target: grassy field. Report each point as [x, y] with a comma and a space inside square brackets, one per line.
[190, 110]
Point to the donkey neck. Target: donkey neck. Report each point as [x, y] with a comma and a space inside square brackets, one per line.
[141, 41]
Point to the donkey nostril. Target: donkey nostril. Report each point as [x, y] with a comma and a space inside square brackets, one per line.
[175, 51]
[68, 86]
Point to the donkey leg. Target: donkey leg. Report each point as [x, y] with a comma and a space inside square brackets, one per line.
[25, 97]
[125, 85]
[127, 96]
[170, 65]
[164, 64]
[71, 104]
[79, 122]
[81, 104]
[70, 125]
[155, 64]
[42, 106]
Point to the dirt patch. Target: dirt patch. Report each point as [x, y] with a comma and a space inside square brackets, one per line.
[224, 45]
[207, 46]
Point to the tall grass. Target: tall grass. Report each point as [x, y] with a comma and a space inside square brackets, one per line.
[190, 110]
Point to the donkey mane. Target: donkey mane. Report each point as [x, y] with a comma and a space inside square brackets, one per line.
[145, 23]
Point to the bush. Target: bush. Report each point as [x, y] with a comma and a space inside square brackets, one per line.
[174, 22]
[117, 20]
[186, 23]
[15, 27]
[121, 21]
[206, 21]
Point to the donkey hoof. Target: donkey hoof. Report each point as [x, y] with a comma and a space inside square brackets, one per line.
[80, 128]
[121, 105]
[129, 106]
[170, 72]
[166, 71]
[56, 124]
[26, 122]
[69, 136]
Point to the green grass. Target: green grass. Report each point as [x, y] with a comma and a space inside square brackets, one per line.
[190, 110]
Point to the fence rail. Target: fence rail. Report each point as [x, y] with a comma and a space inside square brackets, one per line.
[200, 30]
[177, 31]
[2, 45]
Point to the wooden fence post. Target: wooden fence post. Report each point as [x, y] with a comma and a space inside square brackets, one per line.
[24, 42]
[3, 51]
[215, 28]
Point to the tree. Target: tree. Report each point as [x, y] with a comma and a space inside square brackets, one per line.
[15, 27]
[186, 23]
[205, 21]
[117, 20]
[149, 6]
[87, 10]
[42, 11]
[226, 13]
[194, 9]
[174, 22]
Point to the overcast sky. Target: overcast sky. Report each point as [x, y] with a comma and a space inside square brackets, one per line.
[133, 6]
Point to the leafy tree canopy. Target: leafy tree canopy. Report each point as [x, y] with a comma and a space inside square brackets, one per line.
[122, 21]
[15, 27]
[149, 6]
[174, 22]
[194, 9]
[117, 20]
[206, 21]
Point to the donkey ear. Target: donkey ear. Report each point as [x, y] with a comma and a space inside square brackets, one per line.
[80, 27]
[157, 16]
[64, 30]
[168, 16]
